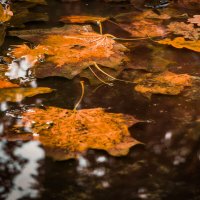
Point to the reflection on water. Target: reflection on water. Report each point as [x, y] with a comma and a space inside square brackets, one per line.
[20, 167]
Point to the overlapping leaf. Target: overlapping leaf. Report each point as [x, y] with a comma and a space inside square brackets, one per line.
[66, 133]
[180, 43]
[18, 94]
[73, 53]
[195, 20]
[164, 83]
[188, 31]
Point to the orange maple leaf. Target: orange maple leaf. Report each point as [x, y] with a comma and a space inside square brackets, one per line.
[67, 133]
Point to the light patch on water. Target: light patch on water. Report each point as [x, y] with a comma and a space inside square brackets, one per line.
[3, 106]
[83, 163]
[99, 172]
[33, 84]
[178, 160]
[105, 184]
[168, 135]
[142, 193]
[20, 69]
[101, 159]
[24, 184]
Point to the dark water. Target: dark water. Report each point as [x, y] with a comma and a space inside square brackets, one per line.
[166, 167]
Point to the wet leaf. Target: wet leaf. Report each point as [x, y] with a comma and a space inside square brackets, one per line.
[7, 84]
[66, 133]
[144, 28]
[18, 94]
[83, 19]
[22, 14]
[180, 43]
[186, 30]
[195, 20]
[70, 54]
[5, 14]
[164, 83]
[38, 35]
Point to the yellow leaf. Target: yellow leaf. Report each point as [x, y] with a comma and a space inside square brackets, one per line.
[180, 43]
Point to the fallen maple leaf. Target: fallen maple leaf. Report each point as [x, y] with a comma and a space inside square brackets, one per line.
[180, 43]
[195, 20]
[5, 14]
[164, 83]
[18, 94]
[187, 30]
[66, 133]
[73, 53]
[83, 19]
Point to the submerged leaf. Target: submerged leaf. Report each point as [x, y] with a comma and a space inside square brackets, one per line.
[164, 83]
[144, 28]
[180, 43]
[82, 19]
[187, 30]
[195, 20]
[18, 94]
[66, 133]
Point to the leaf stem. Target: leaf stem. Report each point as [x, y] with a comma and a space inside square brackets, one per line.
[81, 97]
[113, 78]
[110, 84]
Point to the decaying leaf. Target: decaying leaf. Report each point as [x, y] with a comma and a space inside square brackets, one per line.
[180, 43]
[5, 14]
[22, 13]
[163, 83]
[38, 35]
[186, 30]
[195, 20]
[66, 133]
[144, 28]
[73, 53]
[18, 94]
[83, 19]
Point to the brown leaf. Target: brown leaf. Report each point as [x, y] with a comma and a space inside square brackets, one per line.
[18, 94]
[73, 53]
[83, 19]
[164, 83]
[5, 14]
[144, 28]
[195, 20]
[66, 133]
[180, 43]
[186, 30]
